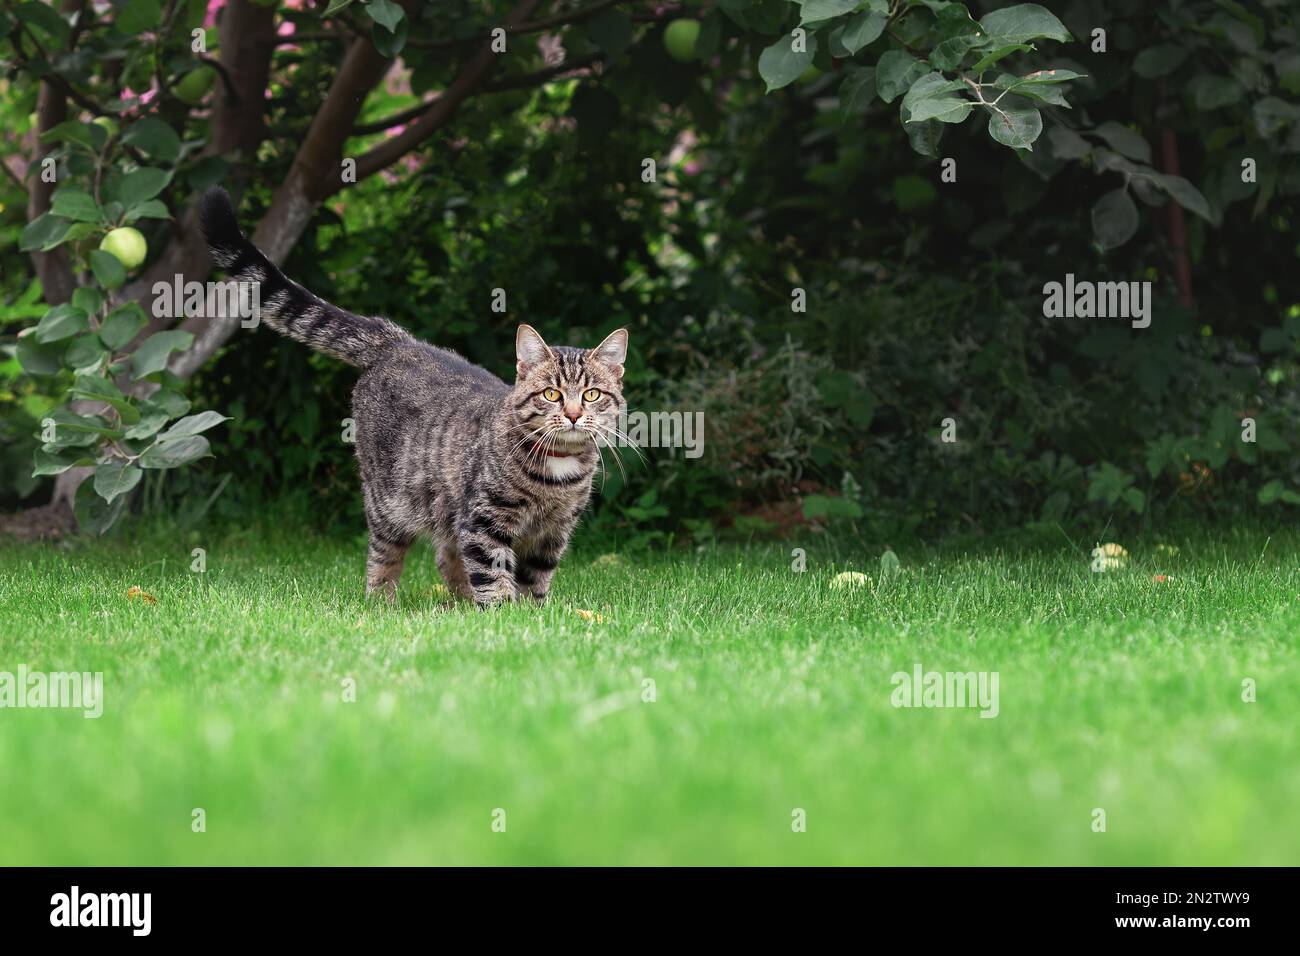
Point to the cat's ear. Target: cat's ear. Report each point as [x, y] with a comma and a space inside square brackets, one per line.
[612, 351]
[530, 348]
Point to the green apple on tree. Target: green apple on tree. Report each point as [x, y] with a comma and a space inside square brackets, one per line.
[679, 39]
[127, 245]
[195, 85]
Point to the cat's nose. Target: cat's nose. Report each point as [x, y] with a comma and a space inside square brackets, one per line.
[573, 414]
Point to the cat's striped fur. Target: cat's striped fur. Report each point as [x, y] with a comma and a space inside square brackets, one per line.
[499, 475]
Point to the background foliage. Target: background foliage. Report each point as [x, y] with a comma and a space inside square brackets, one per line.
[776, 171]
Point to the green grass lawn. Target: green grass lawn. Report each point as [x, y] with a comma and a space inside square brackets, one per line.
[772, 692]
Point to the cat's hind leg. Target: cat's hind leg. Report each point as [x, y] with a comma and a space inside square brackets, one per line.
[452, 569]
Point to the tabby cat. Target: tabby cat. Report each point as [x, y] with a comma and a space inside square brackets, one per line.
[497, 474]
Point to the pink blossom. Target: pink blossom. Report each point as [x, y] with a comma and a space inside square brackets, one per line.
[210, 18]
[398, 82]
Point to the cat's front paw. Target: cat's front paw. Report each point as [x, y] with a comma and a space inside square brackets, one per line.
[502, 591]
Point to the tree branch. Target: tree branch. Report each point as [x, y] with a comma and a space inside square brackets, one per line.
[53, 268]
[539, 77]
[238, 128]
[316, 172]
[522, 81]
[440, 112]
[518, 29]
[314, 169]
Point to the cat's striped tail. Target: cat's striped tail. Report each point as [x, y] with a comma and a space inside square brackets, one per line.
[285, 305]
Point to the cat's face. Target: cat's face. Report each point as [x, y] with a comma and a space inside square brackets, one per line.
[566, 397]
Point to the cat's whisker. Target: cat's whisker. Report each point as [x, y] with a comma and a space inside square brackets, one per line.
[524, 440]
[613, 446]
[540, 448]
[618, 459]
[628, 443]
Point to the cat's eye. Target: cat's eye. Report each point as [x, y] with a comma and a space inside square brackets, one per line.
[591, 394]
[551, 394]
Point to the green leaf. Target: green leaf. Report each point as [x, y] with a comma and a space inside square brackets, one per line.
[84, 351]
[612, 32]
[1114, 219]
[149, 209]
[107, 268]
[948, 54]
[824, 506]
[1067, 144]
[1022, 23]
[386, 13]
[74, 131]
[998, 53]
[924, 137]
[1015, 128]
[113, 478]
[50, 463]
[152, 418]
[122, 325]
[99, 389]
[1210, 92]
[1160, 60]
[154, 351]
[193, 425]
[1187, 195]
[956, 36]
[857, 90]
[77, 205]
[44, 17]
[1271, 114]
[61, 322]
[814, 11]
[74, 429]
[154, 137]
[173, 454]
[173, 403]
[138, 16]
[779, 65]
[933, 97]
[44, 232]
[38, 359]
[1124, 141]
[861, 29]
[88, 299]
[142, 184]
[389, 43]
[1270, 493]
[94, 514]
[336, 6]
[896, 71]
[1272, 341]
[1039, 86]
